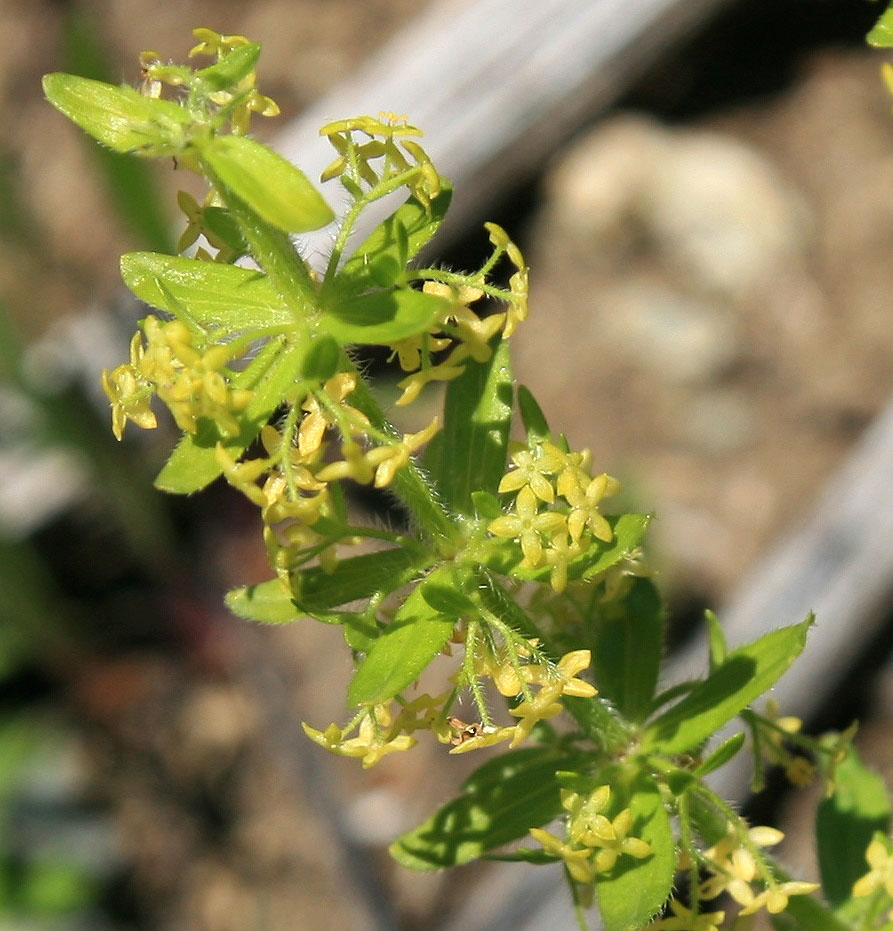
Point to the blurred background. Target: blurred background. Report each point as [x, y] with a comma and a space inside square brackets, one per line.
[709, 241]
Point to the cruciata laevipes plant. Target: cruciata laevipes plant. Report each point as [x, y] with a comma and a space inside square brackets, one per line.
[508, 560]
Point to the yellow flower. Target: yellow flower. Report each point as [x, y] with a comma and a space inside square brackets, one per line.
[531, 468]
[526, 525]
[775, 898]
[387, 460]
[733, 867]
[611, 840]
[880, 859]
[354, 465]
[543, 706]
[447, 370]
[575, 859]
[375, 740]
[487, 738]
[584, 508]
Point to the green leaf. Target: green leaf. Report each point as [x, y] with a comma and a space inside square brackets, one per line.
[845, 824]
[206, 296]
[271, 186]
[532, 417]
[355, 578]
[235, 65]
[193, 464]
[407, 645]
[627, 645]
[499, 803]
[118, 117]
[322, 359]
[380, 317]
[400, 237]
[717, 645]
[721, 755]
[746, 674]
[881, 35]
[470, 454]
[635, 890]
[448, 599]
[222, 224]
[267, 602]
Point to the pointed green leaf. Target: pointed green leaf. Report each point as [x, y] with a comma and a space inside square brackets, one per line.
[635, 890]
[627, 645]
[355, 578]
[380, 317]
[721, 755]
[845, 824]
[746, 674]
[718, 647]
[881, 35]
[274, 188]
[407, 645]
[206, 296]
[118, 117]
[470, 454]
[267, 602]
[193, 464]
[400, 237]
[499, 803]
[532, 417]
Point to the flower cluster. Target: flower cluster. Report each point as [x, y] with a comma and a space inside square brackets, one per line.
[556, 507]
[239, 100]
[389, 144]
[468, 332]
[735, 864]
[594, 841]
[189, 380]
[380, 732]
[291, 483]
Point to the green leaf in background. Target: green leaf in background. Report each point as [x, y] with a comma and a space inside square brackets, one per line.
[721, 755]
[499, 803]
[129, 181]
[881, 35]
[269, 184]
[470, 452]
[118, 117]
[206, 296]
[355, 578]
[193, 463]
[400, 237]
[381, 316]
[846, 822]
[267, 602]
[635, 890]
[532, 417]
[231, 68]
[407, 645]
[746, 674]
[627, 645]
[718, 648]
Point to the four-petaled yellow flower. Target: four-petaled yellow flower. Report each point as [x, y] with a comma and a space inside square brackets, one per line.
[880, 859]
[526, 525]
